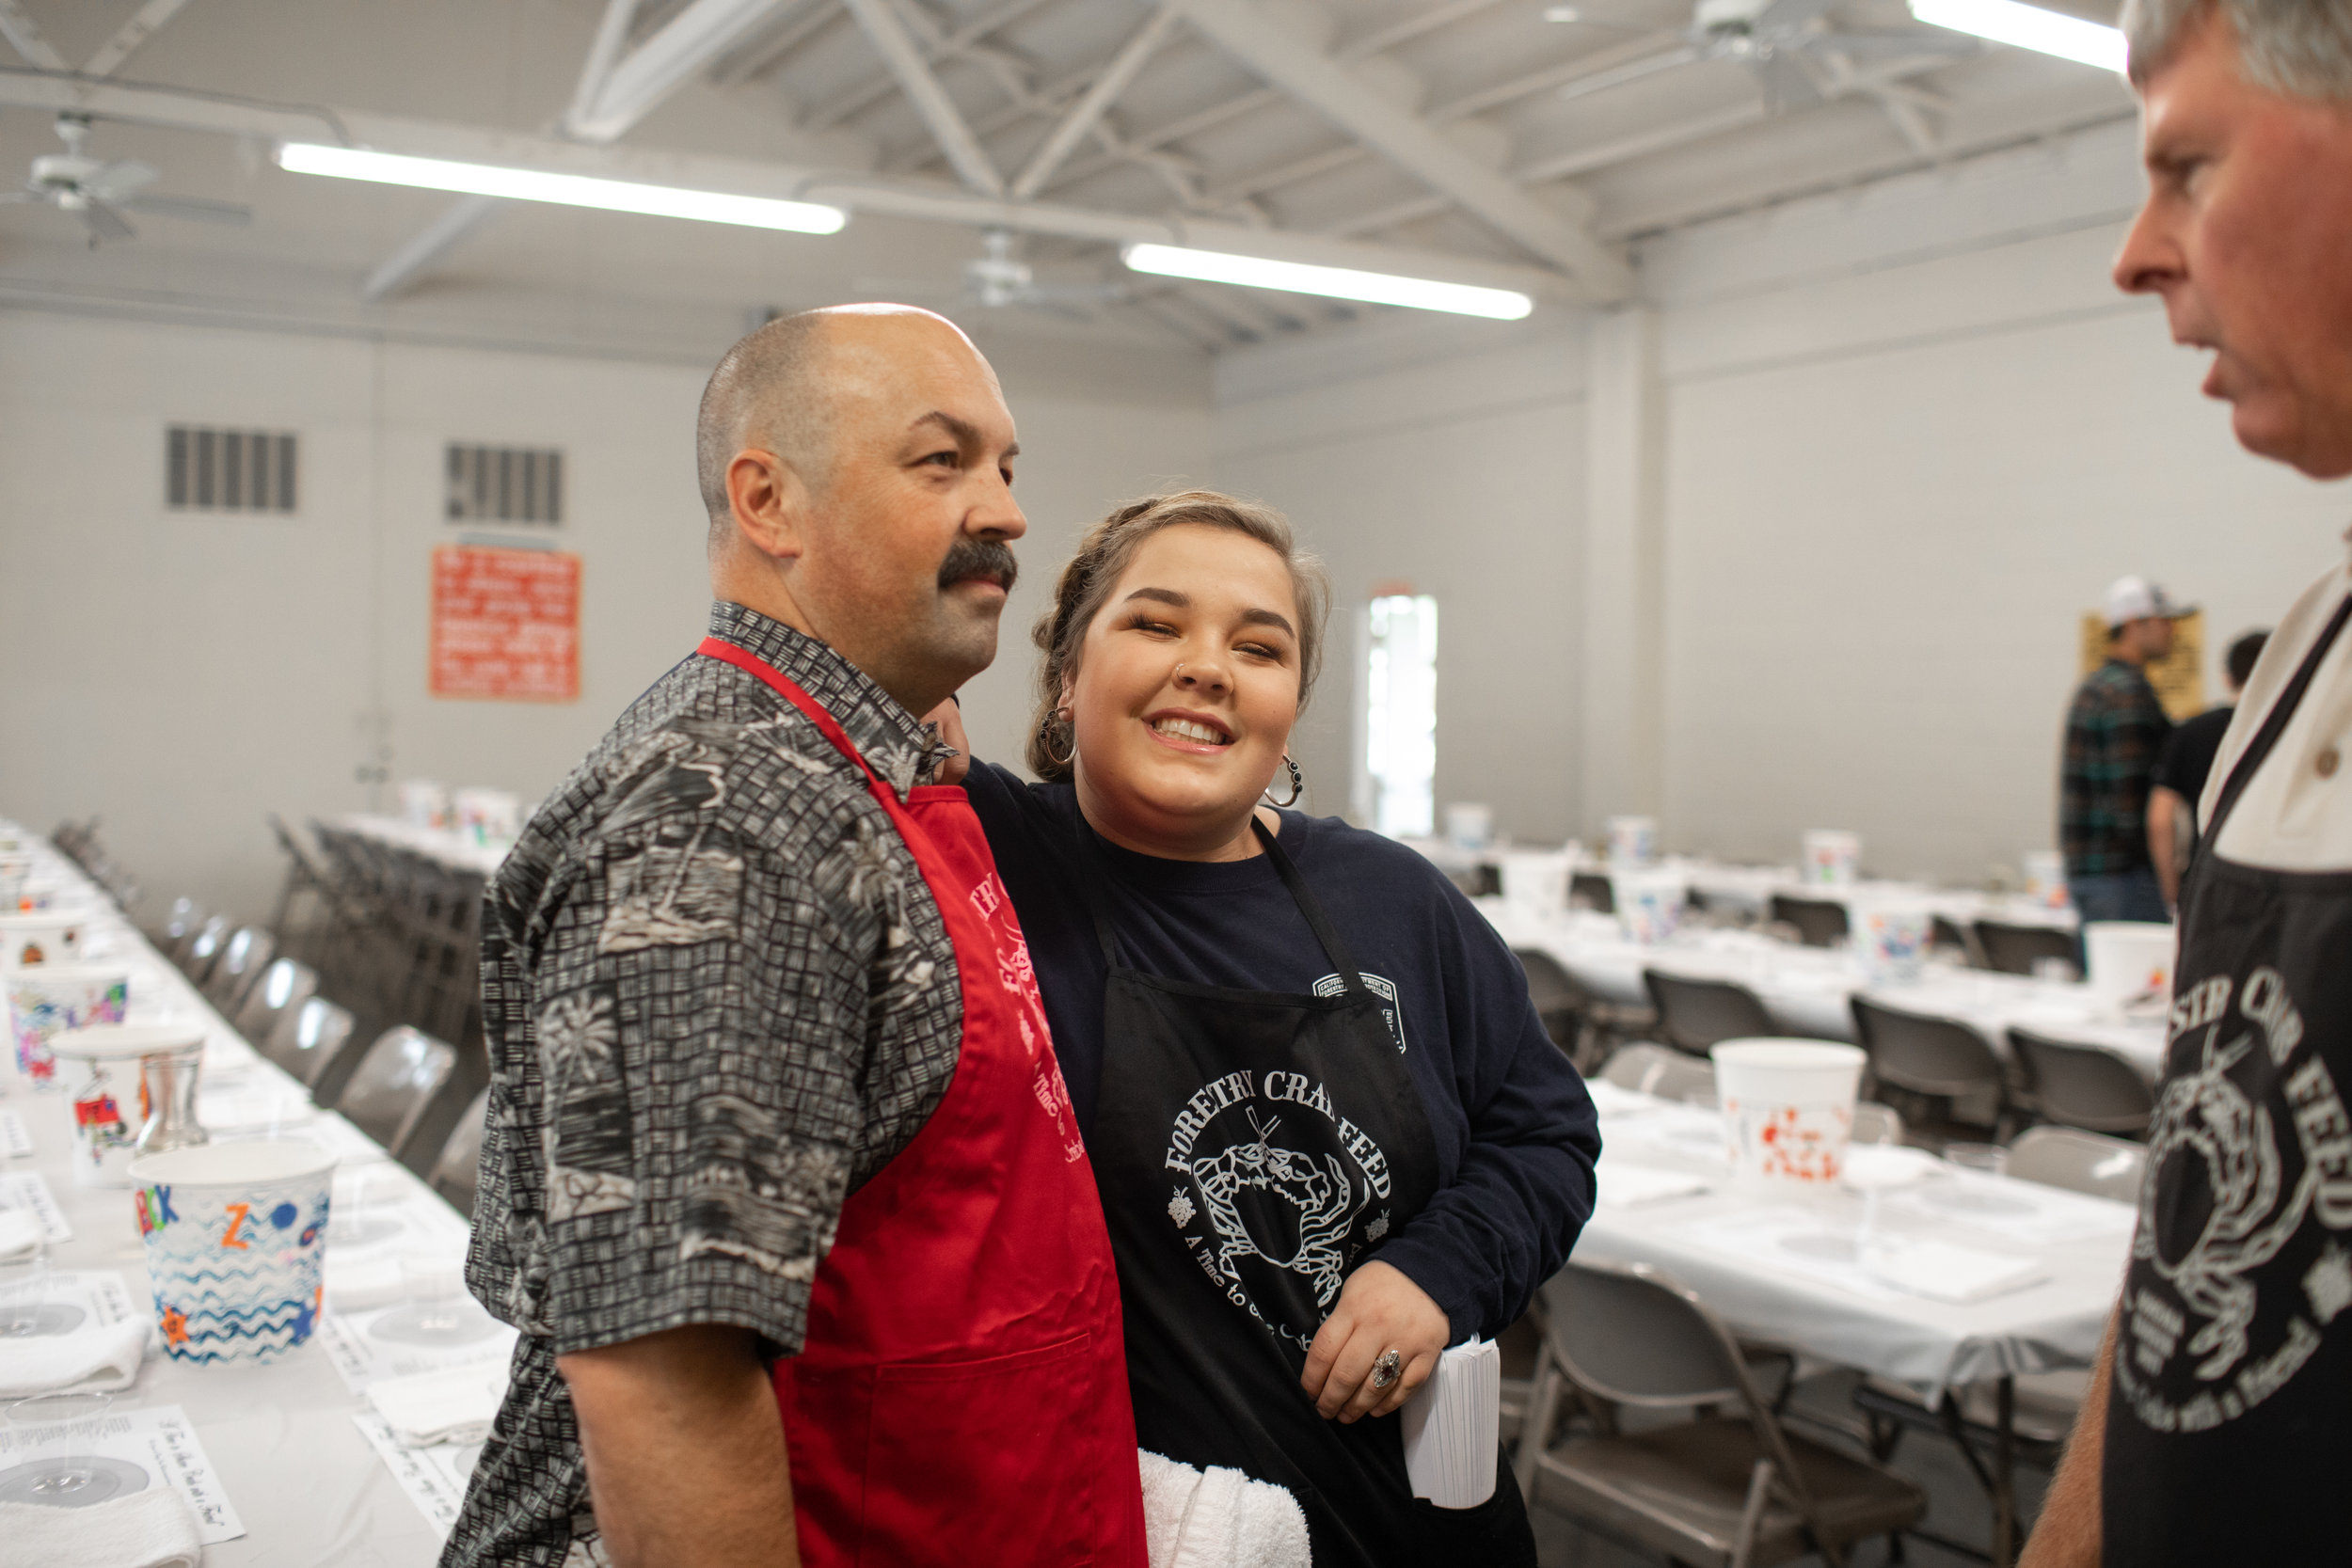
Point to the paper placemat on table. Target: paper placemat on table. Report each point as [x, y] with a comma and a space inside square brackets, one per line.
[453, 1405]
[1940, 1270]
[367, 1347]
[1791, 1242]
[1623, 1185]
[2025, 1213]
[157, 1444]
[1614, 1099]
[27, 1191]
[435, 1478]
[15, 1141]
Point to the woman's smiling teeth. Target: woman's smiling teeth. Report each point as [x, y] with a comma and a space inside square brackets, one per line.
[1186, 729]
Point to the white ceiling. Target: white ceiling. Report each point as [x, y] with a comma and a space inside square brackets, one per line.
[1452, 139]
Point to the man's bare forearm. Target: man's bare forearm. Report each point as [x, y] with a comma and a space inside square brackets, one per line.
[686, 1465]
[2164, 840]
[2069, 1533]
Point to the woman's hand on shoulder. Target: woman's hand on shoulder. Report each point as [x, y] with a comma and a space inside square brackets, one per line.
[950, 717]
[1379, 1310]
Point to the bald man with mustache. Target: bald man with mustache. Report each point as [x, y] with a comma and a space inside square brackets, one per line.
[780, 1185]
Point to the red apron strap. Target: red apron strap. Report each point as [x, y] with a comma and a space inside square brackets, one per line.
[826, 723]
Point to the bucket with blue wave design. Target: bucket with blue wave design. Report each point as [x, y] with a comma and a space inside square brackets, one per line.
[236, 1241]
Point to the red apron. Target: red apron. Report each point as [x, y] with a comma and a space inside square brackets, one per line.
[962, 1395]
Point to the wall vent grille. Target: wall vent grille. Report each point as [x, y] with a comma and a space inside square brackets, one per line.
[504, 484]
[211, 470]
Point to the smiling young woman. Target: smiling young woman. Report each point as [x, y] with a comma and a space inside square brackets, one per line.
[1330, 1136]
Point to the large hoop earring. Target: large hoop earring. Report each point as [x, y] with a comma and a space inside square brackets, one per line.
[1298, 785]
[1045, 734]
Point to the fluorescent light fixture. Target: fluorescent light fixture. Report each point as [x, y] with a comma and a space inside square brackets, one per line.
[2046, 32]
[567, 190]
[1376, 288]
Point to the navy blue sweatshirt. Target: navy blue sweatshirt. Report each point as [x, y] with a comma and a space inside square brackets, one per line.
[1514, 1131]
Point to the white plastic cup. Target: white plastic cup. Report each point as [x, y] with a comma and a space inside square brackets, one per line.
[1787, 1108]
[1889, 937]
[2045, 878]
[1633, 840]
[48, 936]
[1649, 904]
[53, 999]
[236, 1238]
[1469, 825]
[103, 1066]
[1831, 858]
[2129, 958]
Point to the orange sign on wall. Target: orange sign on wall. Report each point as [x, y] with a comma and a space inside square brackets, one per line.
[505, 624]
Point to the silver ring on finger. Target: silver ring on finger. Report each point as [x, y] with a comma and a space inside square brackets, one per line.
[1386, 1369]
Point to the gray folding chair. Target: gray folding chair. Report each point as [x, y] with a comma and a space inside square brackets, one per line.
[242, 960]
[457, 1172]
[180, 924]
[1559, 1005]
[203, 950]
[1694, 1014]
[2080, 1162]
[2016, 949]
[393, 1086]
[283, 986]
[1934, 1061]
[1818, 922]
[2082, 1085]
[307, 1040]
[1716, 1490]
[1662, 1072]
[1590, 889]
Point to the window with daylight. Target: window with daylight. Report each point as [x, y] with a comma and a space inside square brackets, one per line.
[1401, 713]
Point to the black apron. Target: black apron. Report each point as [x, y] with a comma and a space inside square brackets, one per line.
[1251, 1148]
[2230, 1419]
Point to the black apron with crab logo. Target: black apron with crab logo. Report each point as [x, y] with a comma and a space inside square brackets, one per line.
[1252, 1148]
[2229, 1416]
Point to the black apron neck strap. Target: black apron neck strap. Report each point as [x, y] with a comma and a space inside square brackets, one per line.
[2274, 723]
[1097, 903]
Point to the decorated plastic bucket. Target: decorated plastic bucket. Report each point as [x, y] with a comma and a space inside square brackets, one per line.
[1788, 1109]
[103, 1068]
[236, 1237]
[1633, 840]
[2045, 878]
[1889, 937]
[1831, 858]
[51, 1000]
[48, 936]
[1649, 904]
[2129, 958]
[1469, 825]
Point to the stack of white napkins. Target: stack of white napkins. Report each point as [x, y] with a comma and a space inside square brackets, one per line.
[93, 1358]
[1623, 1184]
[21, 1231]
[453, 1405]
[1941, 1272]
[1453, 1427]
[146, 1529]
[1217, 1518]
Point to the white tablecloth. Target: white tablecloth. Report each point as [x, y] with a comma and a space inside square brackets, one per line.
[1807, 990]
[308, 1487]
[1720, 1242]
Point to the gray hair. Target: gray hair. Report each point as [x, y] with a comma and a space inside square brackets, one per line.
[2297, 48]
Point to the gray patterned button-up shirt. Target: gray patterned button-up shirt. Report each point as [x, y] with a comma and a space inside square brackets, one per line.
[718, 998]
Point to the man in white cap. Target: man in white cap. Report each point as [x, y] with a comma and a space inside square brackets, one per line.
[2115, 732]
[2216, 1423]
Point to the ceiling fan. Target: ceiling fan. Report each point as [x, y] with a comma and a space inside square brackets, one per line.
[99, 192]
[1780, 41]
[998, 277]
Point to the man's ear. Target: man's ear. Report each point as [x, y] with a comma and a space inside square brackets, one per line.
[771, 504]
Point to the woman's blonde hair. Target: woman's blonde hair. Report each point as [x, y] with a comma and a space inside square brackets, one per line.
[1101, 559]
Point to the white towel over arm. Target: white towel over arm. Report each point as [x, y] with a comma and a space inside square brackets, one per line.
[1218, 1519]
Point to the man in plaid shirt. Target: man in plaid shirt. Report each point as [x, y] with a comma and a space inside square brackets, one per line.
[2115, 731]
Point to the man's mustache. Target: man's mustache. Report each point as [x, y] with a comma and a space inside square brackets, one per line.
[988, 559]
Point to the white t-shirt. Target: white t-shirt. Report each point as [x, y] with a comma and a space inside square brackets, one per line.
[2296, 813]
